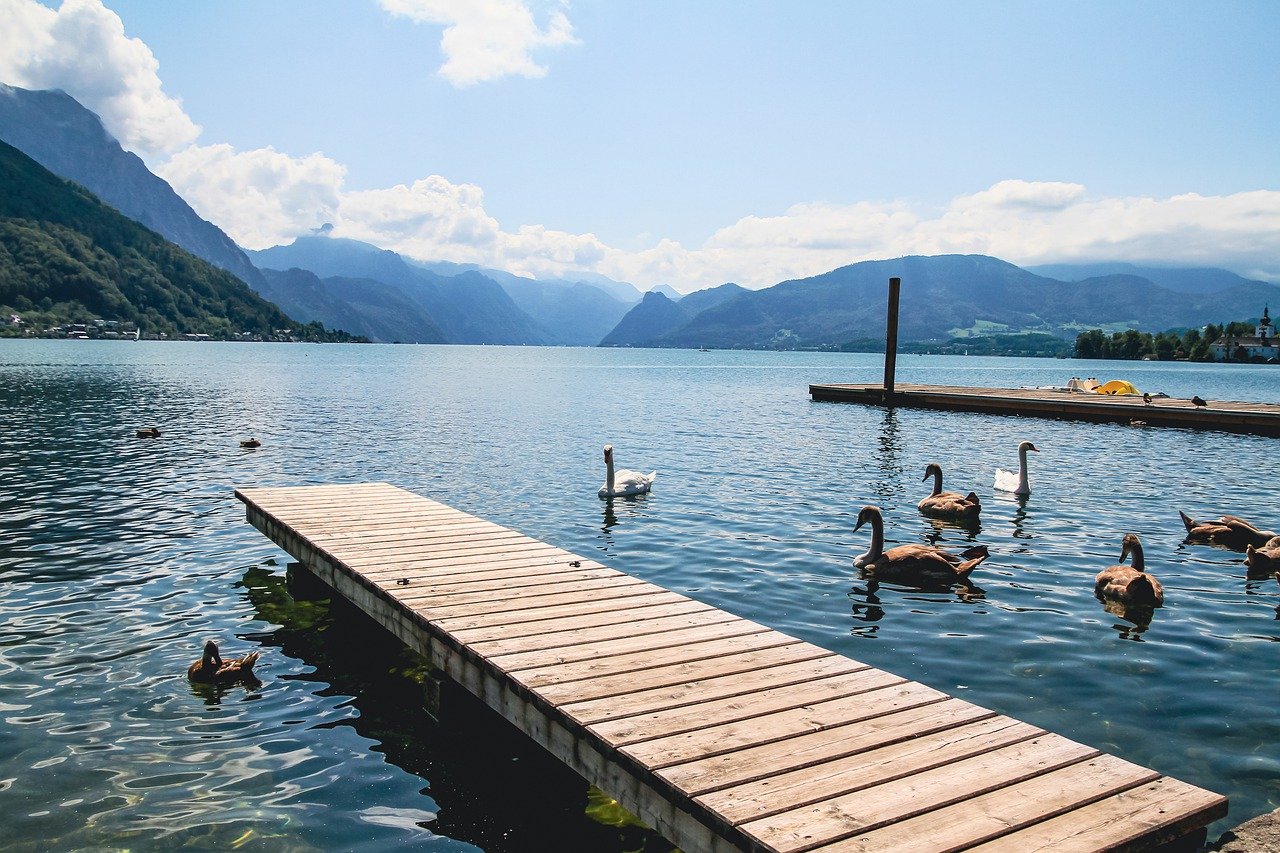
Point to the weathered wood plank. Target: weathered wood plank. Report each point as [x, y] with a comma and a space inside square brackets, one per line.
[813, 784]
[1140, 818]
[701, 776]
[760, 703]
[617, 618]
[890, 802]
[1004, 811]
[651, 598]
[715, 740]
[689, 691]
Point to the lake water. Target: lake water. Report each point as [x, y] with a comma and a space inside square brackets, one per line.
[119, 556]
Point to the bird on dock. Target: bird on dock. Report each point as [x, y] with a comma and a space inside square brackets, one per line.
[1199, 402]
[212, 669]
[1007, 481]
[940, 504]
[1146, 398]
[1130, 585]
[623, 483]
[1265, 559]
[250, 443]
[1230, 531]
[149, 432]
[913, 565]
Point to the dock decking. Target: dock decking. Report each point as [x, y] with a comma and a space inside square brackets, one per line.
[720, 733]
[1253, 418]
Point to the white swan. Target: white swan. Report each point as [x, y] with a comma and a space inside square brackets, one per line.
[1007, 481]
[619, 484]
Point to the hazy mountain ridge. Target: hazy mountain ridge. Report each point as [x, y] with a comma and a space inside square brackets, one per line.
[468, 308]
[365, 307]
[941, 295]
[69, 140]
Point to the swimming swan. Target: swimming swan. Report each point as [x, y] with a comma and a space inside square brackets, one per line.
[942, 504]
[1007, 481]
[915, 565]
[624, 483]
[1228, 530]
[1129, 585]
[1264, 559]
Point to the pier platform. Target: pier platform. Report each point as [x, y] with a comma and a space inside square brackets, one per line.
[720, 733]
[1251, 418]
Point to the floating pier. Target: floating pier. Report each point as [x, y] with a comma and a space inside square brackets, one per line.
[1252, 418]
[720, 733]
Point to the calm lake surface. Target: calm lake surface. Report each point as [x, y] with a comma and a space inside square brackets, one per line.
[120, 556]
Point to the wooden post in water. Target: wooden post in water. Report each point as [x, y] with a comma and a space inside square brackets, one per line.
[891, 339]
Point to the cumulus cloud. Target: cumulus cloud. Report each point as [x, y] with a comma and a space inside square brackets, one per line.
[260, 198]
[82, 49]
[487, 39]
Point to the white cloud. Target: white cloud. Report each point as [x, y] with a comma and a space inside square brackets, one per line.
[261, 197]
[81, 48]
[487, 39]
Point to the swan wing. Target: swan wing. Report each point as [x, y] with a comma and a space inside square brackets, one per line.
[1006, 481]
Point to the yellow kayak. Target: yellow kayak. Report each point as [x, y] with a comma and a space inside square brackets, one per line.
[1117, 386]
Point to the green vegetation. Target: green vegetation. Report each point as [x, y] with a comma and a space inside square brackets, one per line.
[67, 258]
[1034, 345]
[1190, 344]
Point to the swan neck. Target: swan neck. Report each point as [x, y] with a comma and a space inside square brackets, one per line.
[608, 469]
[1022, 469]
[877, 538]
[937, 481]
[1139, 562]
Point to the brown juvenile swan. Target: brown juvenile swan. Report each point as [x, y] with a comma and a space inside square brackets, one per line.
[1129, 584]
[212, 669]
[914, 565]
[1229, 531]
[942, 504]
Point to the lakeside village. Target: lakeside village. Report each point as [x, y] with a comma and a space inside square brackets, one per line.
[1230, 342]
[15, 326]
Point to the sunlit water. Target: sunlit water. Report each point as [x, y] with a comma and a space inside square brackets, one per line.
[119, 556]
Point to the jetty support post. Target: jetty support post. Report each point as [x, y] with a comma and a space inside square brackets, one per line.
[891, 339]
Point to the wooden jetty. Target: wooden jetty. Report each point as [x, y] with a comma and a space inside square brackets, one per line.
[719, 732]
[1253, 418]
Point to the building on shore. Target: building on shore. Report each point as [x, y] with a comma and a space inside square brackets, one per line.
[1262, 345]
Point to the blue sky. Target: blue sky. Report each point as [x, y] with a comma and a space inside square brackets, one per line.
[698, 142]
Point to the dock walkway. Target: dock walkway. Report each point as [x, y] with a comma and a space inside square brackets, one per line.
[1253, 418]
[719, 732]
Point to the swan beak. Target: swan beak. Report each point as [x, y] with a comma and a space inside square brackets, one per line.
[925, 477]
[1033, 447]
[858, 526]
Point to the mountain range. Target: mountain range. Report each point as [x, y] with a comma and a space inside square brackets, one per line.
[389, 297]
[942, 297]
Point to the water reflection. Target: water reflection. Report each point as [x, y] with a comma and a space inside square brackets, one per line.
[1138, 615]
[888, 486]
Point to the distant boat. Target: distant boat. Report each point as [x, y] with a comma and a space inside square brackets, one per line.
[703, 349]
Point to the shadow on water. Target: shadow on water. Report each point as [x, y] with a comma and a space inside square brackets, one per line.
[484, 782]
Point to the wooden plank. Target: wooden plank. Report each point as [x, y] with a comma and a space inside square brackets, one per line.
[1137, 819]
[701, 776]
[843, 775]
[427, 597]
[582, 681]
[721, 686]
[440, 577]
[573, 635]
[870, 808]
[446, 607]
[716, 740]
[760, 703]
[381, 572]
[650, 598]
[616, 617]
[1005, 811]
[513, 662]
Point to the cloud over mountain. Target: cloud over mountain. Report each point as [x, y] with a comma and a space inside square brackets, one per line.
[82, 49]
